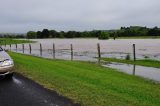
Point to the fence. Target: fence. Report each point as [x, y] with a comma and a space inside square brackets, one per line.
[40, 50]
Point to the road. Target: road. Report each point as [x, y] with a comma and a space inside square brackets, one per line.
[21, 91]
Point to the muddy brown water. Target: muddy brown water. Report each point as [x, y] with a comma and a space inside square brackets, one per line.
[86, 49]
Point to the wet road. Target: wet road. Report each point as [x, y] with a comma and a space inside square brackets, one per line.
[20, 91]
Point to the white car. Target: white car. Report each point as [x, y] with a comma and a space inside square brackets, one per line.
[6, 64]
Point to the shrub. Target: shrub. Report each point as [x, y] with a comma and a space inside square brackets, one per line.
[128, 57]
[103, 35]
[146, 57]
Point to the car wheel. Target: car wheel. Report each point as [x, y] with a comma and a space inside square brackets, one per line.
[10, 75]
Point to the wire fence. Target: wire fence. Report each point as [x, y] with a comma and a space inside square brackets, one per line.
[71, 52]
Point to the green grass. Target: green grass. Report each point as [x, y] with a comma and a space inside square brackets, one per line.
[8, 41]
[145, 62]
[88, 84]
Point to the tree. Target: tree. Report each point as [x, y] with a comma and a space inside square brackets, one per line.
[103, 35]
[154, 32]
[39, 34]
[70, 34]
[53, 33]
[61, 34]
[31, 35]
[45, 33]
[85, 34]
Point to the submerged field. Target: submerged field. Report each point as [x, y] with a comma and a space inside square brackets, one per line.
[7, 41]
[144, 62]
[140, 37]
[88, 84]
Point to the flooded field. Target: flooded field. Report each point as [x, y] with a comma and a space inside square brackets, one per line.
[86, 49]
[146, 72]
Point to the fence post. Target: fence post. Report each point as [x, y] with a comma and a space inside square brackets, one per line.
[30, 49]
[71, 52]
[54, 56]
[40, 49]
[134, 52]
[99, 53]
[16, 47]
[10, 47]
[23, 47]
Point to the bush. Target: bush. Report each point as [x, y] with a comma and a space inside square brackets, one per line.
[128, 57]
[146, 57]
[103, 35]
[31, 35]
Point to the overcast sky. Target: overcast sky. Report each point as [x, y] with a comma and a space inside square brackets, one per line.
[24, 15]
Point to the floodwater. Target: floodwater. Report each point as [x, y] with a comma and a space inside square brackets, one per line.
[146, 72]
[86, 49]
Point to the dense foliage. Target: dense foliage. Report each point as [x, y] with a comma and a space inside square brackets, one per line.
[45, 33]
[135, 31]
[122, 32]
[12, 35]
[31, 34]
[132, 31]
[103, 35]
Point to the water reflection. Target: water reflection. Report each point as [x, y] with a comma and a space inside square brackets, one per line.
[134, 69]
[146, 72]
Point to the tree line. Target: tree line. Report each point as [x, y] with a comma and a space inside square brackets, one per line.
[101, 34]
[45, 33]
[11, 35]
[134, 31]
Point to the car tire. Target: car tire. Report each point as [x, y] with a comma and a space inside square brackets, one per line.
[10, 75]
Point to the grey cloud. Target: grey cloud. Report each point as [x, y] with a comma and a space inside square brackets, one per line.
[24, 15]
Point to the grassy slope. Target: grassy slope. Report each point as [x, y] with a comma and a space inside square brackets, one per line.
[8, 41]
[89, 84]
[146, 62]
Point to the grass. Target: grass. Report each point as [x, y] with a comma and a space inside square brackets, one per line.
[145, 62]
[88, 84]
[8, 41]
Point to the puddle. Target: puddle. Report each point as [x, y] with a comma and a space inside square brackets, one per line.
[146, 72]
[18, 82]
